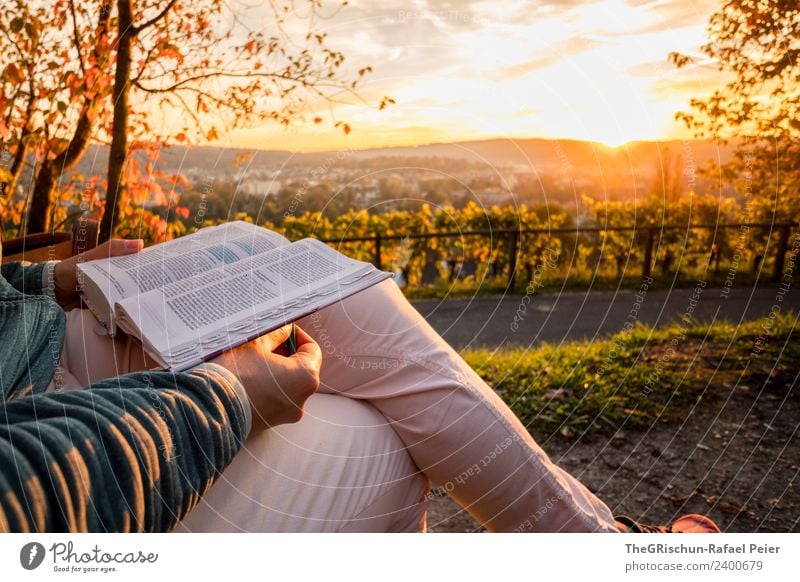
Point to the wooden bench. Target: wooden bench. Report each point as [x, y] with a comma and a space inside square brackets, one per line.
[55, 246]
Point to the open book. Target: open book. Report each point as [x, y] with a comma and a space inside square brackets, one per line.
[192, 298]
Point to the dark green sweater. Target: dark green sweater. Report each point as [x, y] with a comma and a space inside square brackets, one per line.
[133, 453]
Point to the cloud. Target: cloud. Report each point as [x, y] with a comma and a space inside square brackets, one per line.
[397, 38]
[674, 14]
[650, 68]
[470, 68]
[695, 81]
[564, 49]
[526, 68]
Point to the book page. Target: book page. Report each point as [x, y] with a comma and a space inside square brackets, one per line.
[239, 299]
[179, 259]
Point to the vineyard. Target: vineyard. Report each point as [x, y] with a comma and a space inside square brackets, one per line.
[458, 251]
[524, 248]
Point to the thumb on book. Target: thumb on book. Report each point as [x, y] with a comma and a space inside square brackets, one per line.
[275, 339]
[307, 349]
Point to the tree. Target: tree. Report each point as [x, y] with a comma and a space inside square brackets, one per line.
[77, 71]
[54, 58]
[203, 59]
[755, 44]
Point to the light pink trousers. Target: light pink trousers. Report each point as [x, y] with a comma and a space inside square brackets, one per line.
[397, 407]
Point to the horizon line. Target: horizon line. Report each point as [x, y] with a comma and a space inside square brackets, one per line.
[440, 143]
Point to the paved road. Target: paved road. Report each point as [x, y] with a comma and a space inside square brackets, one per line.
[488, 321]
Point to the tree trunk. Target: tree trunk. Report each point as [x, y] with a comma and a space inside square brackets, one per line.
[40, 211]
[17, 164]
[118, 156]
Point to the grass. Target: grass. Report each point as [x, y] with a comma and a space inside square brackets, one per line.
[640, 375]
[493, 286]
[499, 286]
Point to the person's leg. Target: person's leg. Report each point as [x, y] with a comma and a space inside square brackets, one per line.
[341, 468]
[377, 347]
[90, 355]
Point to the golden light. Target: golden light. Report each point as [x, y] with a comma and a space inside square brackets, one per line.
[582, 74]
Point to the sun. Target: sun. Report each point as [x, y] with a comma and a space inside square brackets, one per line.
[613, 144]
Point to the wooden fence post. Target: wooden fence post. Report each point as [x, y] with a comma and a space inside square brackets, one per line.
[648, 253]
[512, 262]
[780, 258]
[377, 260]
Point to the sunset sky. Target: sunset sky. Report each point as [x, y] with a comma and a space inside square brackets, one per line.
[476, 69]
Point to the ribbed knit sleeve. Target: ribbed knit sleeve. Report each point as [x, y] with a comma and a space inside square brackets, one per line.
[133, 453]
[30, 278]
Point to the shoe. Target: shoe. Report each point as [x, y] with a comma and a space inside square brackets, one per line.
[690, 523]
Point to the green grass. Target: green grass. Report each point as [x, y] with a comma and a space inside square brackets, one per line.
[493, 286]
[633, 379]
[499, 286]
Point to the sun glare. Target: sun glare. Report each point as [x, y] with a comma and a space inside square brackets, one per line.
[598, 73]
[613, 145]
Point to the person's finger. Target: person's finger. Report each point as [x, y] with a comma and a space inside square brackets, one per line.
[308, 351]
[124, 247]
[275, 339]
[114, 248]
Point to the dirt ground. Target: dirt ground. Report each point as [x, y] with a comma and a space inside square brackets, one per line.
[735, 458]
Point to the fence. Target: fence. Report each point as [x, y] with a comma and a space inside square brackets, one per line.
[651, 235]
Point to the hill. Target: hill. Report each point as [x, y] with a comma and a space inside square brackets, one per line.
[532, 155]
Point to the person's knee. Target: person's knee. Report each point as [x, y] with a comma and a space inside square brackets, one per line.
[341, 467]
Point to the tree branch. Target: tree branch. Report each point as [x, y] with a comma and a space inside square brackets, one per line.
[76, 37]
[146, 61]
[156, 18]
[220, 74]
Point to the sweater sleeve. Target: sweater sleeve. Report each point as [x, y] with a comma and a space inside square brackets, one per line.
[133, 453]
[31, 278]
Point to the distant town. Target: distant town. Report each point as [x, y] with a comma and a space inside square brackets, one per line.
[269, 185]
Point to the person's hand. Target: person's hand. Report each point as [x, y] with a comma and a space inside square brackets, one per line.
[278, 385]
[66, 277]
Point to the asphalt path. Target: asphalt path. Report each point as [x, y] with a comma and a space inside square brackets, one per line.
[559, 317]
